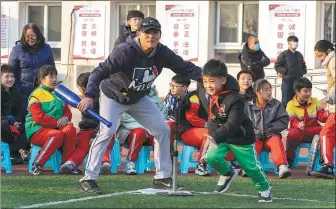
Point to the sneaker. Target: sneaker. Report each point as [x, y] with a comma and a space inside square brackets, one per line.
[266, 196]
[166, 183]
[224, 181]
[243, 173]
[90, 186]
[36, 169]
[284, 171]
[202, 170]
[105, 168]
[130, 168]
[25, 154]
[69, 168]
[325, 172]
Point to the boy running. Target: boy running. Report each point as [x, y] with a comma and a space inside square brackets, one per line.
[231, 129]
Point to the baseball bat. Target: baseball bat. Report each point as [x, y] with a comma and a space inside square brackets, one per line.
[73, 100]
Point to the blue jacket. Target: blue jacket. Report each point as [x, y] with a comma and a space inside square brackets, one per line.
[25, 65]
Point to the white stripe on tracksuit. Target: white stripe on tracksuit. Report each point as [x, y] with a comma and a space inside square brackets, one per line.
[132, 147]
[146, 113]
[324, 150]
[43, 152]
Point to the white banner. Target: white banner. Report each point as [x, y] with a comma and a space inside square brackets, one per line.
[285, 20]
[181, 30]
[89, 32]
[4, 31]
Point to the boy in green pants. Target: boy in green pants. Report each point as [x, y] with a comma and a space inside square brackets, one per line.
[230, 129]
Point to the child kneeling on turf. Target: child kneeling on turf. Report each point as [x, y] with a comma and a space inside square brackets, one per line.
[48, 120]
[231, 129]
[269, 118]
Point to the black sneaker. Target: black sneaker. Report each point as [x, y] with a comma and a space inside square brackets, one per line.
[166, 183]
[224, 181]
[326, 172]
[36, 169]
[90, 186]
[266, 196]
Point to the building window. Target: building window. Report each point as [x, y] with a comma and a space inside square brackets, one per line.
[49, 19]
[235, 22]
[149, 10]
[329, 22]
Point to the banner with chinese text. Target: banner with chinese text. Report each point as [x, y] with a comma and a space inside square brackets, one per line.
[89, 32]
[4, 31]
[181, 36]
[285, 20]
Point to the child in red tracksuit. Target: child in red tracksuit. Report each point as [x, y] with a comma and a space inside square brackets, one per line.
[325, 52]
[305, 113]
[48, 121]
[88, 129]
[269, 118]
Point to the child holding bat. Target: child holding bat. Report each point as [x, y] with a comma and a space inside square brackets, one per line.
[48, 120]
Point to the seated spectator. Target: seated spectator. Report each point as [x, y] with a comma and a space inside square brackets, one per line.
[245, 79]
[325, 51]
[269, 118]
[305, 113]
[12, 129]
[132, 135]
[178, 88]
[253, 58]
[89, 127]
[48, 123]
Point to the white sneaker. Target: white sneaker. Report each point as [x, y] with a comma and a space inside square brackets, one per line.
[130, 168]
[266, 196]
[68, 168]
[284, 171]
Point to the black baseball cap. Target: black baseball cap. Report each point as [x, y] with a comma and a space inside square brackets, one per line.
[150, 23]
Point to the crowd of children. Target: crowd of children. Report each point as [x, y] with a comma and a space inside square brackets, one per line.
[226, 119]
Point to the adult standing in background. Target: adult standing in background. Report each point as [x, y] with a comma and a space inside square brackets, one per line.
[134, 19]
[290, 65]
[253, 58]
[27, 56]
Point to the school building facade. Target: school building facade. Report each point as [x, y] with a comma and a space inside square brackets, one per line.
[82, 33]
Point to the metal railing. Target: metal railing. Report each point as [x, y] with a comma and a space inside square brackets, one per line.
[310, 76]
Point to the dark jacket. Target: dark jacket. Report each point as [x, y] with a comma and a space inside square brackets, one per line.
[122, 38]
[25, 65]
[87, 121]
[127, 74]
[292, 65]
[269, 121]
[253, 61]
[11, 105]
[230, 125]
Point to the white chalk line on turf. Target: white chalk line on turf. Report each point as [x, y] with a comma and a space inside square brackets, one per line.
[76, 200]
[136, 192]
[247, 195]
